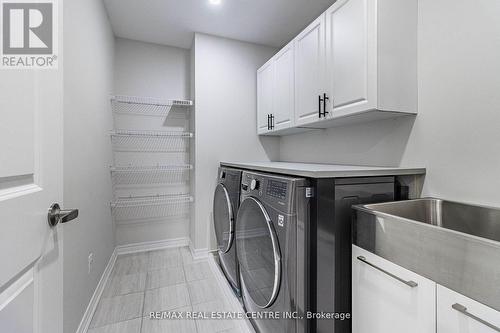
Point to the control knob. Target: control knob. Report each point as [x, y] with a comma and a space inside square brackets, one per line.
[254, 184]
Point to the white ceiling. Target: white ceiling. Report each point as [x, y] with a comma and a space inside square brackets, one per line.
[173, 22]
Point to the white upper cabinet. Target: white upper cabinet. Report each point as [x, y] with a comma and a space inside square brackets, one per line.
[389, 298]
[309, 72]
[284, 79]
[371, 56]
[356, 62]
[350, 47]
[265, 92]
[457, 313]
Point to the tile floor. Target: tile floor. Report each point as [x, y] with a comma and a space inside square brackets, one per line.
[164, 280]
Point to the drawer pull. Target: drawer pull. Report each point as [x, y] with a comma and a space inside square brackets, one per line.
[462, 309]
[411, 284]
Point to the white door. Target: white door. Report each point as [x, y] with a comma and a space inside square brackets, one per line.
[284, 75]
[265, 92]
[351, 56]
[457, 313]
[309, 72]
[389, 298]
[30, 181]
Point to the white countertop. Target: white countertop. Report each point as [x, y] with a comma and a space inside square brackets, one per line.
[312, 170]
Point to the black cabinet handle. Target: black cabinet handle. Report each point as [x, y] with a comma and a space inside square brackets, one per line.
[272, 121]
[325, 98]
[268, 122]
[319, 106]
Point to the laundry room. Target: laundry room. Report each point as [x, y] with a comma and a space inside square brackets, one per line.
[219, 166]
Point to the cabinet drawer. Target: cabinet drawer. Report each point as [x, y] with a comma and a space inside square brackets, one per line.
[458, 313]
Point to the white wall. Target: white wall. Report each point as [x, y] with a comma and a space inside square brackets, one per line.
[225, 98]
[145, 69]
[375, 143]
[219, 74]
[456, 133]
[88, 81]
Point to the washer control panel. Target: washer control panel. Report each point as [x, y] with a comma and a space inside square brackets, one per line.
[276, 189]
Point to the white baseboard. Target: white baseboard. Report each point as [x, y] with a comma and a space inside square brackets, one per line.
[94, 301]
[151, 246]
[198, 253]
[244, 325]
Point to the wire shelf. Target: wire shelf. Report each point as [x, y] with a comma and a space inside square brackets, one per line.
[145, 106]
[145, 208]
[149, 175]
[150, 141]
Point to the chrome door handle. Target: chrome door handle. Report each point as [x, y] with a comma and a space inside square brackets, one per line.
[56, 215]
[462, 309]
[410, 283]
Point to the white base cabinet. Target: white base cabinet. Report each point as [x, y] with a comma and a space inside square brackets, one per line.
[383, 304]
[387, 298]
[459, 314]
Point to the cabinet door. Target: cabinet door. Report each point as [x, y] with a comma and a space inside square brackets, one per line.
[309, 71]
[265, 92]
[351, 56]
[457, 313]
[284, 79]
[381, 303]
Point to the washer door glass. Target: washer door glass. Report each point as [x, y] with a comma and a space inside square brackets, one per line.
[223, 218]
[258, 253]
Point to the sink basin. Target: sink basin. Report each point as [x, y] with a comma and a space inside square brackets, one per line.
[454, 244]
[473, 220]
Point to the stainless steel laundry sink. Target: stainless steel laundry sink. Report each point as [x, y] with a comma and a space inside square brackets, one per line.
[473, 220]
[455, 244]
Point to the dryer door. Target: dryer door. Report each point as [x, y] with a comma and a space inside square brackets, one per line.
[223, 218]
[258, 253]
